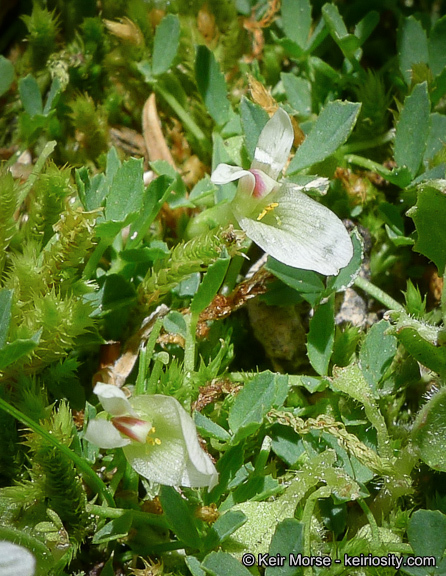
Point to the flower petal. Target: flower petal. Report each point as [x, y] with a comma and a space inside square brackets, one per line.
[274, 145]
[300, 232]
[15, 559]
[113, 399]
[104, 434]
[225, 173]
[179, 459]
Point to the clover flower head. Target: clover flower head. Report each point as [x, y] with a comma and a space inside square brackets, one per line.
[278, 215]
[158, 437]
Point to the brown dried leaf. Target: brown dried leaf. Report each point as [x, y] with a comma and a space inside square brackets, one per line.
[153, 136]
[222, 306]
[125, 30]
[118, 372]
[213, 391]
[262, 96]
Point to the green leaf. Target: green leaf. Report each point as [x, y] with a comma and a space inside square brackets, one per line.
[429, 216]
[211, 84]
[435, 141]
[427, 533]
[331, 130]
[30, 95]
[347, 275]
[52, 96]
[307, 283]
[126, 193]
[421, 340]
[116, 528]
[179, 516]
[321, 336]
[210, 285]
[288, 539]
[209, 429]
[165, 47]
[252, 404]
[350, 380]
[298, 91]
[175, 323]
[225, 525]
[5, 314]
[223, 564]
[412, 129]
[366, 26]
[92, 191]
[228, 467]
[254, 118]
[437, 47]
[348, 43]
[154, 197]
[296, 21]
[285, 444]
[6, 74]
[194, 566]
[429, 431]
[13, 351]
[412, 46]
[377, 353]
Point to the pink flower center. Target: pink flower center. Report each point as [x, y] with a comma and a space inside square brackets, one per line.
[260, 187]
[135, 429]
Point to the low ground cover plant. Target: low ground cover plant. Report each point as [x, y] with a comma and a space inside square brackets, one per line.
[222, 302]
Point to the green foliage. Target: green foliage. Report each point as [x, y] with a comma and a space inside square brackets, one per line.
[54, 487]
[186, 259]
[331, 129]
[339, 450]
[90, 125]
[43, 27]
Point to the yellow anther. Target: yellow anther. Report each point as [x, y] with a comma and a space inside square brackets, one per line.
[267, 209]
[152, 441]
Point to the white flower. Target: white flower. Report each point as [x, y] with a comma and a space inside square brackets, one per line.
[158, 437]
[278, 216]
[15, 559]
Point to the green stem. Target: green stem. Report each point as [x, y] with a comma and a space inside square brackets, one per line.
[189, 347]
[323, 492]
[372, 143]
[378, 294]
[372, 522]
[145, 356]
[155, 376]
[183, 115]
[93, 479]
[46, 152]
[367, 164]
[94, 259]
[113, 513]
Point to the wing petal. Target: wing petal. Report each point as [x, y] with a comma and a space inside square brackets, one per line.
[300, 232]
[225, 173]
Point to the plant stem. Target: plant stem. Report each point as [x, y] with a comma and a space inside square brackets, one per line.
[183, 115]
[46, 152]
[189, 349]
[368, 164]
[372, 143]
[93, 479]
[378, 294]
[372, 522]
[113, 513]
